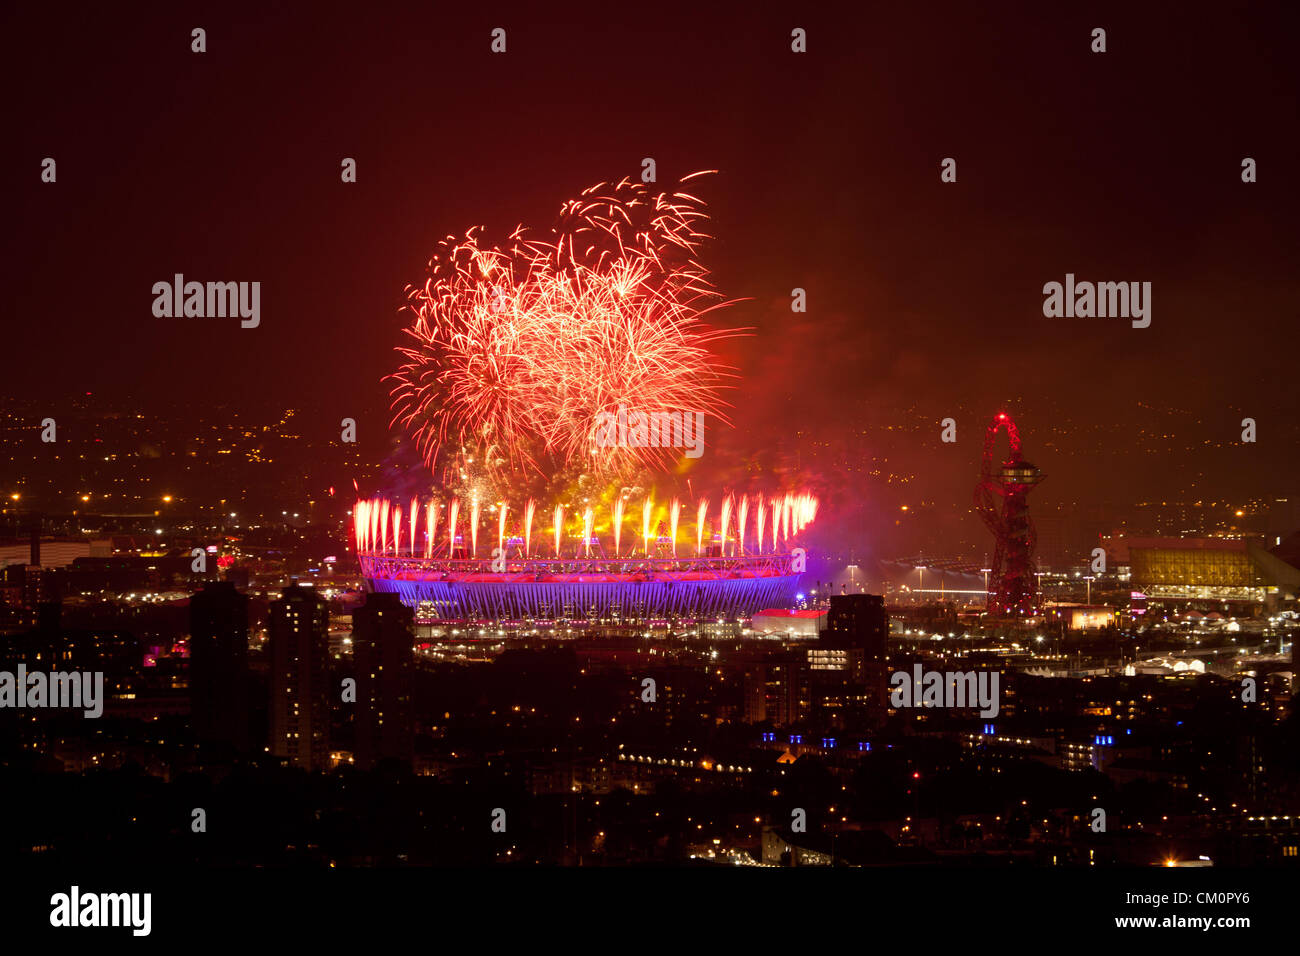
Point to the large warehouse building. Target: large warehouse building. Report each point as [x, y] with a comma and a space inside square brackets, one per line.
[1233, 570]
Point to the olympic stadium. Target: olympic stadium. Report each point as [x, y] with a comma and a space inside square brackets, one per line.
[586, 589]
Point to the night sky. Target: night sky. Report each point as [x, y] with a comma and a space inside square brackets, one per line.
[925, 298]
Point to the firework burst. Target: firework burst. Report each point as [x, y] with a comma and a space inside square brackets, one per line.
[516, 350]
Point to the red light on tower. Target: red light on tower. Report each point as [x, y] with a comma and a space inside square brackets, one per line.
[1000, 498]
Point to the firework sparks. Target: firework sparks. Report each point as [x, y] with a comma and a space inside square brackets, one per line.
[415, 519]
[430, 528]
[619, 504]
[725, 523]
[700, 515]
[372, 519]
[523, 347]
[473, 526]
[359, 520]
[452, 514]
[742, 517]
[529, 510]
[674, 514]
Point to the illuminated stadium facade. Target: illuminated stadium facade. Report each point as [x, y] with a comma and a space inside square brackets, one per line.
[742, 567]
[586, 589]
[562, 350]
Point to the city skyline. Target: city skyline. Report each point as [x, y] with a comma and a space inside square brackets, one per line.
[510, 442]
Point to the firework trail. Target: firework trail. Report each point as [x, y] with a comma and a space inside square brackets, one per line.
[742, 518]
[725, 521]
[699, 525]
[559, 527]
[523, 346]
[587, 518]
[359, 520]
[415, 519]
[529, 510]
[619, 503]
[501, 528]
[805, 510]
[452, 514]
[646, 510]
[430, 530]
[674, 513]
[473, 526]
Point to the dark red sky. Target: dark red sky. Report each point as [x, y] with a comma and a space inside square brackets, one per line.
[225, 166]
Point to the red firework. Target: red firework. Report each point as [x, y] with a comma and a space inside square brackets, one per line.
[525, 347]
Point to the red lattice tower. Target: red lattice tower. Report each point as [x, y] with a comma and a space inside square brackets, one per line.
[1000, 498]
